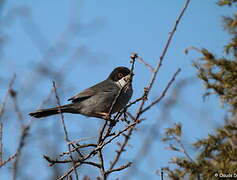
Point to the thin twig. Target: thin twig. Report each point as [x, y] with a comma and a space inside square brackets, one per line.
[81, 139]
[119, 152]
[177, 139]
[131, 126]
[183, 148]
[8, 160]
[2, 109]
[66, 174]
[163, 93]
[78, 147]
[146, 64]
[134, 102]
[65, 129]
[24, 134]
[54, 161]
[119, 168]
[16, 106]
[102, 167]
[100, 156]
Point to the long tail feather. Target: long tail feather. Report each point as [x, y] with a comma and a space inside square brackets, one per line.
[51, 111]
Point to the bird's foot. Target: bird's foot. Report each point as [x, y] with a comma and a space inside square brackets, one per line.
[103, 115]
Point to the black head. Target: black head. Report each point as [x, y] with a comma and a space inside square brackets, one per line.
[118, 73]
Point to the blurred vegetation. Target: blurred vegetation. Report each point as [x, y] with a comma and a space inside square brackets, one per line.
[217, 153]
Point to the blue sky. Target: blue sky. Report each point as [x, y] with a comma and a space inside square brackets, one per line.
[107, 32]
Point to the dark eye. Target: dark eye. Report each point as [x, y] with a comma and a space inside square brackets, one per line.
[120, 75]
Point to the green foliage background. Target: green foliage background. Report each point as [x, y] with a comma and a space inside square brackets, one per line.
[217, 153]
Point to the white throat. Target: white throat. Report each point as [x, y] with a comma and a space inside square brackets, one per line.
[122, 82]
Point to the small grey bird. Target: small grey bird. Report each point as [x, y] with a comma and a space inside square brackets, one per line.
[97, 100]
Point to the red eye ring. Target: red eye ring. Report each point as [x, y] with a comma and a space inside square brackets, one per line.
[120, 75]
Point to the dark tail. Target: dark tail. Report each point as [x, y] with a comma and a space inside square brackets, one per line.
[51, 111]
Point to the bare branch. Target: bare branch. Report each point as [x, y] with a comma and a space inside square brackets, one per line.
[2, 109]
[65, 129]
[8, 160]
[54, 161]
[24, 134]
[140, 59]
[119, 168]
[163, 93]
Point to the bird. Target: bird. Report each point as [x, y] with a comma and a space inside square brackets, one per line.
[97, 101]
